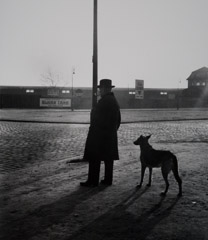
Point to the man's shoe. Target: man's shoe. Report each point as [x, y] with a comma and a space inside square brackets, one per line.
[104, 182]
[88, 184]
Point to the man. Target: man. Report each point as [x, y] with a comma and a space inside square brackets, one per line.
[102, 141]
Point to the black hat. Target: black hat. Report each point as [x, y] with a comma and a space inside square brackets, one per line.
[105, 83]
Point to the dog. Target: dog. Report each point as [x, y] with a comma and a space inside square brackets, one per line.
[152, 158]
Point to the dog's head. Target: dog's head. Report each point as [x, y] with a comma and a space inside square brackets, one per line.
[142, 140]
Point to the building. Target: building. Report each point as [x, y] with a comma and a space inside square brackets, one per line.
[81, 98]
[198, 79]
[196, 95]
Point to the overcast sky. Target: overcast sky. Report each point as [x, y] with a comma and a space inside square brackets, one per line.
[159, 41]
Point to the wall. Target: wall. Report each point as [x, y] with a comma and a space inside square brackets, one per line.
[16, 97]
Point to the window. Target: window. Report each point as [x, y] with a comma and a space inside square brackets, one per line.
[131, 92]
[29, 91]
[65, 91]
[163, 93]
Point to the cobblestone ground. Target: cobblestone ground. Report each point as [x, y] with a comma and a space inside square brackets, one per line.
[25, 144]
[33, 143]
[40, 199]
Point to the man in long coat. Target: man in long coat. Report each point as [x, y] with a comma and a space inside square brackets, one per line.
[102, 142]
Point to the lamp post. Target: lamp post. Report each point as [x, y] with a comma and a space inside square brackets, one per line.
[72, 94]
[95, 57]
[178, 95]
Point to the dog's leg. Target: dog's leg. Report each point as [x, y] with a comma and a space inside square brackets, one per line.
[165, 176]
[150, 177]
[178, 179]
[142, 175]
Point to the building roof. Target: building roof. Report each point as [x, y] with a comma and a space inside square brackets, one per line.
[199, 74]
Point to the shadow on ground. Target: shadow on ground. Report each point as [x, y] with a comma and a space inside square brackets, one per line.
[120, 224]
[43, 217]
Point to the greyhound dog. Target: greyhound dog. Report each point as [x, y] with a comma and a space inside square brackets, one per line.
[152, 158]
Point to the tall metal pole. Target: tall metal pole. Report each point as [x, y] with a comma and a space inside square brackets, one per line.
[95, 57]
[178, 95]
[72, 98]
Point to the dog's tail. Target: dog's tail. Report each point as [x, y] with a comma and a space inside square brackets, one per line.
[176, 174]
[175, 166]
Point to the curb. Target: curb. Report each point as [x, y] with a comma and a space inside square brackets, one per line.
[127, 122]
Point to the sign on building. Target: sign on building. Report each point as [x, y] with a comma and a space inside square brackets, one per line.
[55, 102]
[171, 96]
[53, 92]
[139, 89]
[79, 92]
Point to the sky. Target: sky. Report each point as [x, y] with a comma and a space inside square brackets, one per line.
[160, 42]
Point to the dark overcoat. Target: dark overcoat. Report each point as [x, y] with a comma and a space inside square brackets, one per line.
[102, 141]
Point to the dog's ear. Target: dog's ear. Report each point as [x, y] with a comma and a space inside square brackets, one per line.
[148, 137]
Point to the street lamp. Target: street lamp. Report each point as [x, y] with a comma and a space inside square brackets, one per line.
[72, 94]
[178, 95]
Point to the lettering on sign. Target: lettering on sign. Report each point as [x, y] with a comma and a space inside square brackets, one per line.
[55, 102]
[139, 89]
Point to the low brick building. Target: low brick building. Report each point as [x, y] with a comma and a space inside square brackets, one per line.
[196, 95]
[81, 98]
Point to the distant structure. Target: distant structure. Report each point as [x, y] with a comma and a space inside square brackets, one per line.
[196, 95]
[198, 79]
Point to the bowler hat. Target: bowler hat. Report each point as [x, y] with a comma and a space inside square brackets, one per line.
[105, 83]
